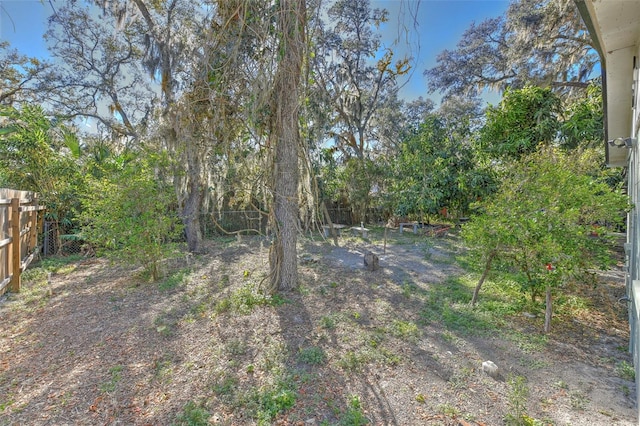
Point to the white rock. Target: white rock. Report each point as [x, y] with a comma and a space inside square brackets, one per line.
[490, 368]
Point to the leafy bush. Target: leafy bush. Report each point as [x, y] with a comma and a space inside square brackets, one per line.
[128, 215]
[548, 222]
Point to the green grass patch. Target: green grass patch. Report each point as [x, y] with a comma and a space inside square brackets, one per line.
[354, 414]
[60, 264]
[226, 386]
[245, 299]
[355, 361]
[527, 342]
[312, 355]
[116, 376]
[193, 415]
[626, 371]
[34, 277]
[329, 322]
[174, 280]
[266, 403]
[571, 305]
[405, 330]
[448, 303]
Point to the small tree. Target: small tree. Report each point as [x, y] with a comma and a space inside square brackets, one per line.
[128, 215]
[38, 152]
[436, 169]
[541, 223]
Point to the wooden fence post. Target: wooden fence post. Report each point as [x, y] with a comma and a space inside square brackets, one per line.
[15, 243]
[33, 226]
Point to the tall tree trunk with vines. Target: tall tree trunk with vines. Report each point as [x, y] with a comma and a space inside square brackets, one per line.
[285, 135]
[193, 203]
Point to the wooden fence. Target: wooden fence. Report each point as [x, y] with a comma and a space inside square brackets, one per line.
[20, 223]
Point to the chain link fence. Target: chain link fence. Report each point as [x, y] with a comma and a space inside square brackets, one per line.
[253, 222]
[248, 222]
[56, 242]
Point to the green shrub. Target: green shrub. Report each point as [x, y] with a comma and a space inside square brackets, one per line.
[128, 215]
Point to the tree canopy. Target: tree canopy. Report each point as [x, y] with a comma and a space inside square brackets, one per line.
[536, 42]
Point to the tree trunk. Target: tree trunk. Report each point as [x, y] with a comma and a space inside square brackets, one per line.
[194, 197]
[191, 216]
[284, 134]
[487, 268]
[548, 311]
[332, 230]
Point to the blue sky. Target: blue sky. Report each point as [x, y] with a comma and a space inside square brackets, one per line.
[22, 23]
[440, 24]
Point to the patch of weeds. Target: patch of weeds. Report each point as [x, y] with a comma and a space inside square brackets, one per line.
[443, 259]
[374, 341]
[60, 264]
[579, 400]
[193, 415]
[174, 280]
[517, 395]
[35, 276]
[533, 363]
[390, 358]
[354, 416]
[33, 294]
[223, 305]
[448, 410]
[405, 330]
[200, 309]
[421, 399]
[245, 299]
[625, 390]
[528, 343]
[449, 337]
[226, 386]
[275, 355]
[500, 308]
[303, 290]
[312, 355]
[408, 289]
[561, 384]
[6, 403]
[466, 321]
[572, 305]
[164, 325]
[267, 402]
[626, 371]
[236, 347]
[116, 375]
[355, 360]
[162, 369]
[224, 281]
[449, 304]
[328, 322]
[460, 378]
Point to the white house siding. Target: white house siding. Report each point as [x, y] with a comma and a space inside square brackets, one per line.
[614, 26]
